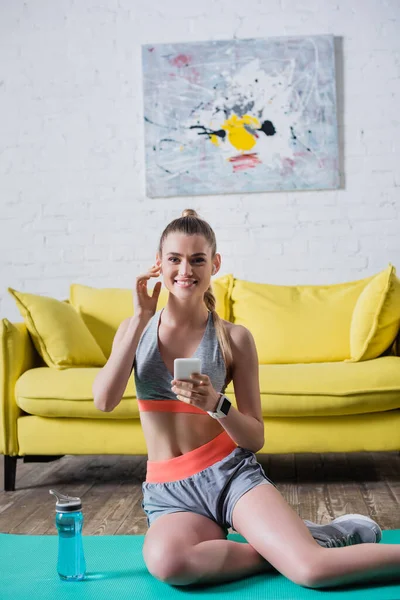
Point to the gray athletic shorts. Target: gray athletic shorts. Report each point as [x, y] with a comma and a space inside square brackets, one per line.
[212, 492]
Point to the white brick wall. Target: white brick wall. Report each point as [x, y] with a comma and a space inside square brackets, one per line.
[72, 153]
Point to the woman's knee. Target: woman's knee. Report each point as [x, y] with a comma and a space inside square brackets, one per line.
[308, 572]
[168, 545]
[166, 563]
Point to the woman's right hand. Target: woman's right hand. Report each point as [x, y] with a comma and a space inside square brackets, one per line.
[144, 304]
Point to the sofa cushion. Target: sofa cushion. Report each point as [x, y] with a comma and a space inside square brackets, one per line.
[299, 323]
[58, 332]
[315, 389]
[103, 309]
[49, 393]
[335, 388]
[376, 316]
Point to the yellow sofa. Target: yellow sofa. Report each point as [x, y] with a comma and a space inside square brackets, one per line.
[329, 371]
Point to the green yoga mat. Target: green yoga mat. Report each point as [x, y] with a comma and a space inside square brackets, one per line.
[116, 570]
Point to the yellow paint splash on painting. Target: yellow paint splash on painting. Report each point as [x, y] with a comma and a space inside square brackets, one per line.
[214, 139]
[238, 136]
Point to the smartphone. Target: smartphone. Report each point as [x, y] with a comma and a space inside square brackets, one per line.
[184, 367]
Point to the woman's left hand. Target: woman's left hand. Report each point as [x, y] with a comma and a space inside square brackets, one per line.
[198, 392]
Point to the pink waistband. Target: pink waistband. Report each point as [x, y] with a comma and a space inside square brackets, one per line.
[192, 462]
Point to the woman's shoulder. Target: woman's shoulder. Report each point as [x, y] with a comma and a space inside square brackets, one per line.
[242, 344]
[236, 332]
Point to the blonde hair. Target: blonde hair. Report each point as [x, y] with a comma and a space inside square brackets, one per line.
[191, 224]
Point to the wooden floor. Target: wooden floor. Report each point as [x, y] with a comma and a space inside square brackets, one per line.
[319, 487]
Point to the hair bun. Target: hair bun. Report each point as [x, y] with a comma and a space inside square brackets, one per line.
[189, 212]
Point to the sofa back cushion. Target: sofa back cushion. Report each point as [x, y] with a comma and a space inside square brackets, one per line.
[103, 309]
[299, 323]
[376, 316]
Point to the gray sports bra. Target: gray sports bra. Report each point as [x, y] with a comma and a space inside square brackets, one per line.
[153, 379]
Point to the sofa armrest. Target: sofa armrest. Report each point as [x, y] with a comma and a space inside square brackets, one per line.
[17, 355]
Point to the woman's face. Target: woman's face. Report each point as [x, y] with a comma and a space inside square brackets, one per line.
[186, 264]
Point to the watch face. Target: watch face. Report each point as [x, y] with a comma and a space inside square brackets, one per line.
[225, 406]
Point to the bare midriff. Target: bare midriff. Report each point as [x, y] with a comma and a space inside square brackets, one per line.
[169, 435]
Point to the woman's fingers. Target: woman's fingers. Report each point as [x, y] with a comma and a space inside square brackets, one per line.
[150, 273]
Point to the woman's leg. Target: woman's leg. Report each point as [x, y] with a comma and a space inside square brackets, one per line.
[182, 548]
[264, 518]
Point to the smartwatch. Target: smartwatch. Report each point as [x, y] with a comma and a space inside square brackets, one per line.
[222, 408]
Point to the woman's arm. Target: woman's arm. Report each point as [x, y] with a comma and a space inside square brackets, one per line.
[245, 425]
[110, 383]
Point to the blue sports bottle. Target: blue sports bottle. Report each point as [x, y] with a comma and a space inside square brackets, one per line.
[71, 564]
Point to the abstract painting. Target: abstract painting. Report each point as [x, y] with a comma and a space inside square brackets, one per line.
[240, 116]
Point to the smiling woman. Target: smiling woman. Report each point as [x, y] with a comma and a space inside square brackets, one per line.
[202, 475]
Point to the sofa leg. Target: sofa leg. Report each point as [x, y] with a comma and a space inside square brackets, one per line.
[10, 469]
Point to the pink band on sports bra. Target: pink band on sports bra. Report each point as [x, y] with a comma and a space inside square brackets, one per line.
[192, 462]
[174, 406]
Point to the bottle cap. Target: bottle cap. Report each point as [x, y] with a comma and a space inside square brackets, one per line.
[66, 503]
